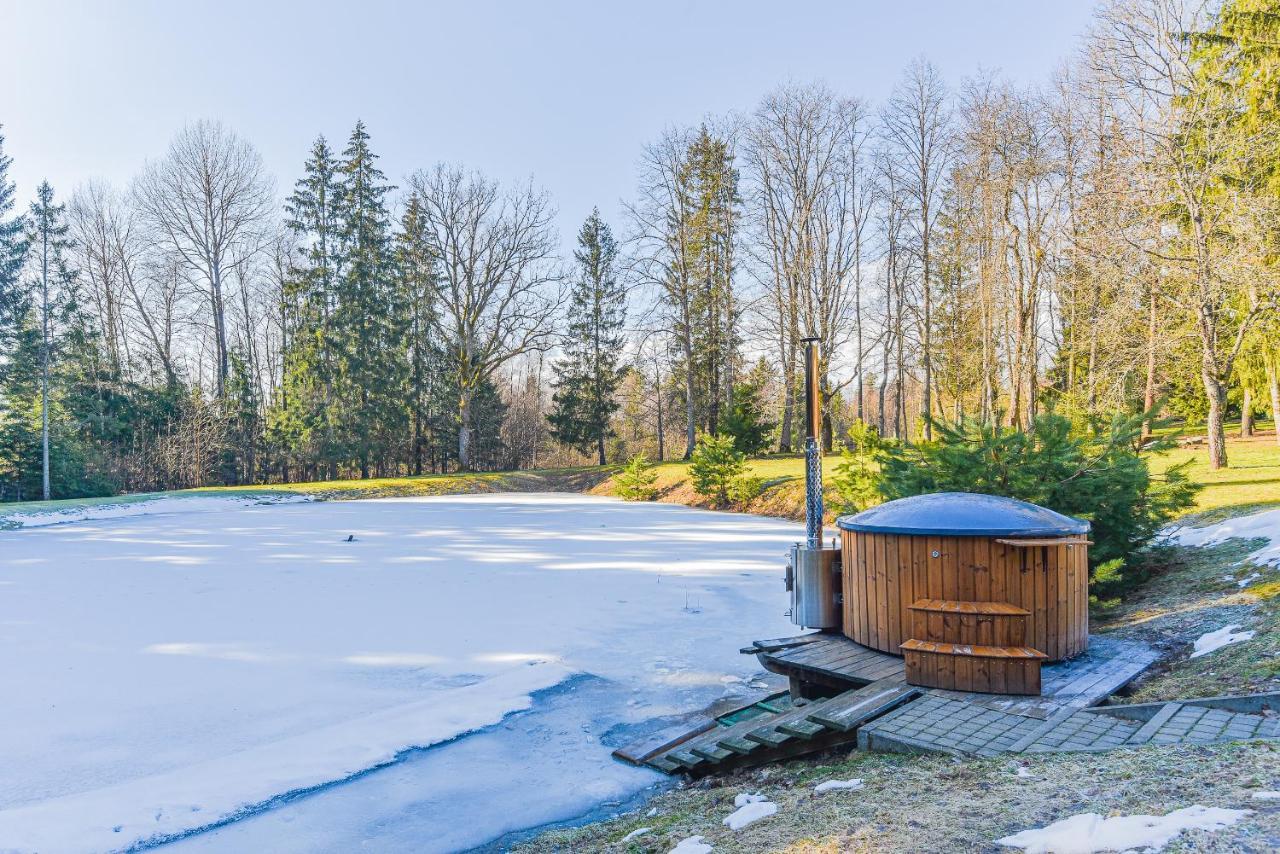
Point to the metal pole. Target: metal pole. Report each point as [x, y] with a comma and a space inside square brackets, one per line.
[812, 447]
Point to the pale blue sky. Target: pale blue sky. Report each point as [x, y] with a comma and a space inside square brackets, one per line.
[565, 92]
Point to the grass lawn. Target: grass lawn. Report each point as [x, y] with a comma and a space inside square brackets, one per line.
[1251, 480]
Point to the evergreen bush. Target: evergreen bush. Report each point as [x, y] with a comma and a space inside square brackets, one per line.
[1094, 472]
[635, 481]
[718, 472]
[856, 482]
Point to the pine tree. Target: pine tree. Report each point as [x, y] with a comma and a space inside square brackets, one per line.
[306, 420]
[746, 422]
[429, 391]
[369, 313]
[13, 249]
[588, 377]
[48, 240]
[714, 202]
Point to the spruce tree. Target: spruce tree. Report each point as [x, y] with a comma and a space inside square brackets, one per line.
[13, 249]
[429, 389]
[38, 310]
[370, 313]
[49, 243]
[588, 376]
[306, 419]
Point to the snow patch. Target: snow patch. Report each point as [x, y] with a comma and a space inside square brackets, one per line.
[692, 845]
[1266, 796]
[639, 831]
[750, 808]
[1089, 832]
[832, 785]
[163, 504]
[1265, 525]
[1224, 636]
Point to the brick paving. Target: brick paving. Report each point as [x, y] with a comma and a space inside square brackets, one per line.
[954, 726]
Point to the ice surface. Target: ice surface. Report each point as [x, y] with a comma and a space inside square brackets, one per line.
[179, 668]
[1089, 832]
[832, 785]
[1211, 641]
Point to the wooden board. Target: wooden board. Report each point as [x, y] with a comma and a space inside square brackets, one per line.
[885, 574]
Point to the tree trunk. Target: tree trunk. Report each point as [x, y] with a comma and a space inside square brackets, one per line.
[44, 372]
[1273, 383]
[1217, 395]
[1149, 392]
[1246, 414]
[464, 430]
[600, 447]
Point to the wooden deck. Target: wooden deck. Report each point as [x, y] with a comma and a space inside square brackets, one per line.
[834, 661]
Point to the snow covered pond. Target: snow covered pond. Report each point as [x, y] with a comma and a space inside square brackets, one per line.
[166, 671]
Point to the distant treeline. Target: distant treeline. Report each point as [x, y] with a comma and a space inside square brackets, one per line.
[1093, 245]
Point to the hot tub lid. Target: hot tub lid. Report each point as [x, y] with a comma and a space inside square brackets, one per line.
[963, 514]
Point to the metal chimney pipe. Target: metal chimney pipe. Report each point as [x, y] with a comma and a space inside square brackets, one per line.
[812, 447]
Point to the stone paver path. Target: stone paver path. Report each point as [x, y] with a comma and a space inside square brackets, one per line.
[935, 723]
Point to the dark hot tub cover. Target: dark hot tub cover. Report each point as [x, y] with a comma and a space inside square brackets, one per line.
[963, 514]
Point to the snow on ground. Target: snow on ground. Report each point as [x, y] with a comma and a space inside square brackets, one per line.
[691, 845]
[835, 785]
[1211, 641]
[139, 506]
[1090, 832]
[180, 668]
[750, 809]
[1265, 525]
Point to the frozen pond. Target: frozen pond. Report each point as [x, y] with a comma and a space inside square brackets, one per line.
[180, 666]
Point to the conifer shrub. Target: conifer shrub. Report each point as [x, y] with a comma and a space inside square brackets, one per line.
[747, 421]
[1097, 472]
[636, 480]
[856, 482]
[719, 472]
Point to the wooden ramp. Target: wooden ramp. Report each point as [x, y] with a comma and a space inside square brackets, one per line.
[769, 731]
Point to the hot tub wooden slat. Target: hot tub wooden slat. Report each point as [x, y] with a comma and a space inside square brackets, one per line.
[885, 574]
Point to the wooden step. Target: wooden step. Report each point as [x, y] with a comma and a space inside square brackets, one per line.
[970, 667]
[815, 725]
[972, 650]
[969, 623]
[957, 606]
[851, 709]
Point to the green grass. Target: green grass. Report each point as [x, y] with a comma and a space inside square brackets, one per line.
[1252, 479]
[1252, 482]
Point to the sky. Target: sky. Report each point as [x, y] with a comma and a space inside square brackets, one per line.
[565, 93]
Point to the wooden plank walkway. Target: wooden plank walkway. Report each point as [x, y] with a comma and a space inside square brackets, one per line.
[833, 659]
[769, 737]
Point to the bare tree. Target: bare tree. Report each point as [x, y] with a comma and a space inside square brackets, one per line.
[206, 199]
[810, 194]
[663, 222]
[916, 130]
[495, 253]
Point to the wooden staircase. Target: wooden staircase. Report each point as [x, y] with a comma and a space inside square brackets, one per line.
[971, 646]
[772, 736]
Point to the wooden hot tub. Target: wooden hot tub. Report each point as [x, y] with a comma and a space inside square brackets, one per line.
[975, 590]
